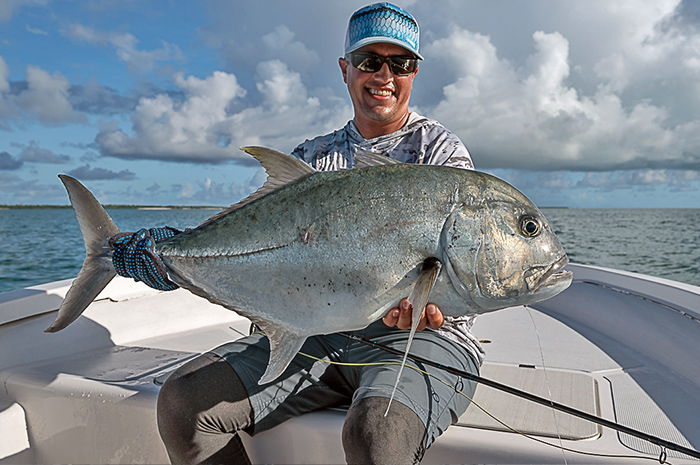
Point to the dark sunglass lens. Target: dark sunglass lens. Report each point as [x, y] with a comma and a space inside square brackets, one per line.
[401, 65]
[371, 63]
[368, 64]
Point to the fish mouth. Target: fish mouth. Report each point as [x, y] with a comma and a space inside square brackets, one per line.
[539, 277]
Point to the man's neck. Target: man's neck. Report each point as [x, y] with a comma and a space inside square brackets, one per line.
[372, 129]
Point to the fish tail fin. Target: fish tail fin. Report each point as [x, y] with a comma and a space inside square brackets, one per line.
[97, 271]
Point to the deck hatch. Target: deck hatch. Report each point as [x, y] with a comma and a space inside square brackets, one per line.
[637, 395]
[576, 390]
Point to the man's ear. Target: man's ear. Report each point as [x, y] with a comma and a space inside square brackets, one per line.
[343, 68]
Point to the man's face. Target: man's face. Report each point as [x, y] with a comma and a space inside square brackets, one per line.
[381, 97]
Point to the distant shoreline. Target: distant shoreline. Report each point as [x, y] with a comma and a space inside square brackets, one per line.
[114, 207]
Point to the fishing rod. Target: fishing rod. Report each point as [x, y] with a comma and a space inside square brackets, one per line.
[664, 444]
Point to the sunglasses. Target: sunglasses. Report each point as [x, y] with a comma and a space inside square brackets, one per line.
[371, 63]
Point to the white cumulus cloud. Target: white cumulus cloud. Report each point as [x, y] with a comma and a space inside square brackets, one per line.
[202, 127]
[531, 117]
[188, 130]
[45, 97]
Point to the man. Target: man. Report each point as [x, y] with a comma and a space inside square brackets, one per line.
[207, 401]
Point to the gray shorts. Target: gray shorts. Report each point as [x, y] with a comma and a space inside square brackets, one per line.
[309, 384]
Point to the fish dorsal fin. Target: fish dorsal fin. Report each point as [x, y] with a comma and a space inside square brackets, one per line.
[365, 158]
[281, 170]
[419, 299]
[283, 348]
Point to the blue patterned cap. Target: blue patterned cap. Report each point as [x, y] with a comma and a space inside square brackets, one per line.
[382, 22]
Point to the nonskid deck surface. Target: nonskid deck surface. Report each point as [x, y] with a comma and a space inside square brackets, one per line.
[90, 395]
[625, 385]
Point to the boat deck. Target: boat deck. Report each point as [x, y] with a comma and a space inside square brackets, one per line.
[88, 393]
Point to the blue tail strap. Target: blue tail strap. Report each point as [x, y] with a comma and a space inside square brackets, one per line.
[134, 256]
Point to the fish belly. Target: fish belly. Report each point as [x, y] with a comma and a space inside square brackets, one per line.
[300, 290]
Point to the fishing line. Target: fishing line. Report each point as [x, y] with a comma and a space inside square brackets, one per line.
[661, 459]
[662, 443]
[546, 381]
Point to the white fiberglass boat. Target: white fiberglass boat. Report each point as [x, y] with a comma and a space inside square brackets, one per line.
[617, 345]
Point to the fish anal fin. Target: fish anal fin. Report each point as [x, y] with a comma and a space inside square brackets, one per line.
[430, 270]
[283, 348]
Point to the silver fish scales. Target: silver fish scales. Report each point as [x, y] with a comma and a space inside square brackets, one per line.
[321, 252]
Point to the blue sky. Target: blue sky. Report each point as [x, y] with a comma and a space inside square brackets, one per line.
[578, 103]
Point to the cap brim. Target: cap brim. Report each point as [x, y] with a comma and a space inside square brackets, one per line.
[377, 40]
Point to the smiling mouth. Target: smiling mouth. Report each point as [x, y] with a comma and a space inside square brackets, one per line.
[381, 93]
[538, 277]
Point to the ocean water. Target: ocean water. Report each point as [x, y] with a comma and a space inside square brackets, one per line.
[44, 245]
[657, 242]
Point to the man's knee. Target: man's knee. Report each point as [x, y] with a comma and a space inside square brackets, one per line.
[200, 408]
[199, 390]
[181, 393]
[371, 437]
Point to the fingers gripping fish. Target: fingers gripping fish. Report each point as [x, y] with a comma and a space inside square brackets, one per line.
[322, 252]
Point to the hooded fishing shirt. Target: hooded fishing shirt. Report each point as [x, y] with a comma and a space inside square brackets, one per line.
[420, 141]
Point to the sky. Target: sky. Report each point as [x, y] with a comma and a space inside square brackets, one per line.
[581, 104]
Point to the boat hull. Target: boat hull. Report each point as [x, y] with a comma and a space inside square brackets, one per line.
[615, 344]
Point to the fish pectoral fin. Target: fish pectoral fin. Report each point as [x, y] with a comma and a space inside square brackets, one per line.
[429, 272]
[283, 348]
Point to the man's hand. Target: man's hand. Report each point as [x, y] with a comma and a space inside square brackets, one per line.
[401, 316]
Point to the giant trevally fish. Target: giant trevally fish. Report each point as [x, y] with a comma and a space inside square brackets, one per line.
[321, 252]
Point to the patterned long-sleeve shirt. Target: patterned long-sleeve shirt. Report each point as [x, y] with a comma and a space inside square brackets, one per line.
[420, 141]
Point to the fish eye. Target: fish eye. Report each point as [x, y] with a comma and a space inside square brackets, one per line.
[530, 226]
